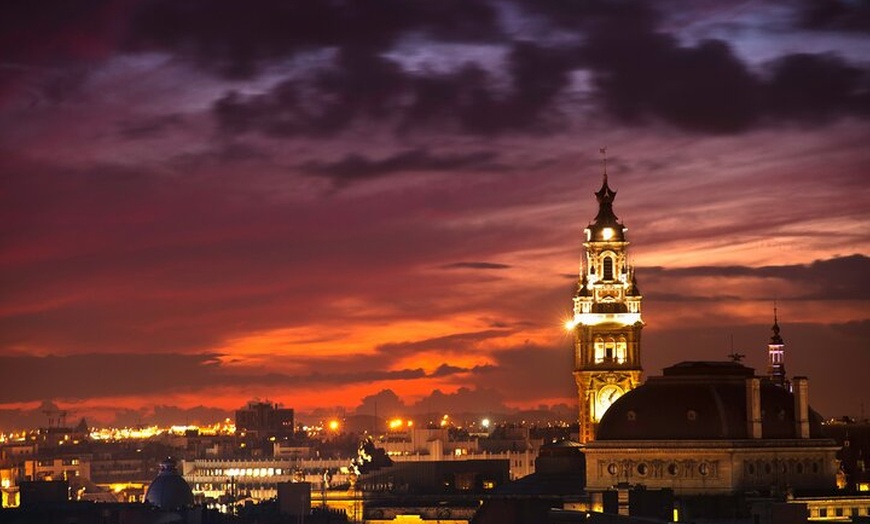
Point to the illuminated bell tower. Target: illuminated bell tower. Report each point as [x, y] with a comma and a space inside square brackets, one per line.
[607, 322]
[776, 355]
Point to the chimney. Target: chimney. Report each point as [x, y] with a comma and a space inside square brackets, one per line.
[800, 388]
[753, 407]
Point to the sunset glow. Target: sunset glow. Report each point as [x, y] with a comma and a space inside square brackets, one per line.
[390, 220]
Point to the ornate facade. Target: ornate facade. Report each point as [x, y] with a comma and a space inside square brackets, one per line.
[706, 428]
[607, 318]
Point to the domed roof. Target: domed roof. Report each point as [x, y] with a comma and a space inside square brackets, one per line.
[169, 490]
[606, 226]
[701, 401]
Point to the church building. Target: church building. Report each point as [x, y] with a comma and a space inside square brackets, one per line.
[701, 428]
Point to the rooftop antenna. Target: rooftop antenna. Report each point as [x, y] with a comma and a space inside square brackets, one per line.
[603, 151]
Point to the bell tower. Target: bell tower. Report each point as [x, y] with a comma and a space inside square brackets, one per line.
[776, 355]
[607, 321]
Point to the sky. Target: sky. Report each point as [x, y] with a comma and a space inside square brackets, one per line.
[343, 206]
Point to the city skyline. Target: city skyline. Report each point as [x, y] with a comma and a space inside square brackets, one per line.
[313, 204]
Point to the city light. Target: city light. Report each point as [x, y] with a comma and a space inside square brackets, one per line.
[333, 425]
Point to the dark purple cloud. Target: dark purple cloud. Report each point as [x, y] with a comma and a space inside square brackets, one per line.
[363, 84]
[478, 265]
[237, 39]
[455, 343]
[354, 167]
[839, 278]
[89, 375]
[835, 15]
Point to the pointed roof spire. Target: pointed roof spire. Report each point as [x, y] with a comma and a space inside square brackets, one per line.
[606, 218]
[776, 338]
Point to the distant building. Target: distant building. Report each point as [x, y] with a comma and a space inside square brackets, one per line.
[776, 355]
[264, 420]
[713, 428]
[607, 318]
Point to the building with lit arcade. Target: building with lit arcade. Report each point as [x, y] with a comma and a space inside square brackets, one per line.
[700, 429]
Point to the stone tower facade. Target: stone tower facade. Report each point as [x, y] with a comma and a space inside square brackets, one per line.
[607, 318]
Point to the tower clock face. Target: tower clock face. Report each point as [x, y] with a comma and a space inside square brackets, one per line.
[607, 395]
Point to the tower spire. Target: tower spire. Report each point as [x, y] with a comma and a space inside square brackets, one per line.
[607, 316]
[776, 353]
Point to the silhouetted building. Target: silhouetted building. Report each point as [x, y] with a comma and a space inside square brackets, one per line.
[264, 419]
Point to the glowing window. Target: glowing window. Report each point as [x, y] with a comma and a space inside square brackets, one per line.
[599, 350]
[621, 350]
[609, 350]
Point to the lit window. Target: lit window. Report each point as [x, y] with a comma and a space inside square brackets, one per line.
[609, 350]
[599, 350]
[621, 350]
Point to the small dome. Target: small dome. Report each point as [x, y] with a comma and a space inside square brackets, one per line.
[169, 490]
[606, 226]
[701, 401]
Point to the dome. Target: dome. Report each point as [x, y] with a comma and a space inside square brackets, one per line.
[701, 401]
[606, 226]
[169, 490]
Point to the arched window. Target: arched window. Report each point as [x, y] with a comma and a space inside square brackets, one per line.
[609, 349]
[621, 350]
[599, 350]
[608, 268]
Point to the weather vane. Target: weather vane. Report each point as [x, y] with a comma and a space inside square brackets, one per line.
[603, 151]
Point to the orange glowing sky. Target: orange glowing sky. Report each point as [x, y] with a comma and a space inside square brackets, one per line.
[395, 213]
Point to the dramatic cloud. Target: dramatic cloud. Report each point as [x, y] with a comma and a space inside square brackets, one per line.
[237, 39]
[316, 201]
[479, 265]
[355, 167]
[842, 278]
[85, 376]
[832, 15]
[451, 343]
